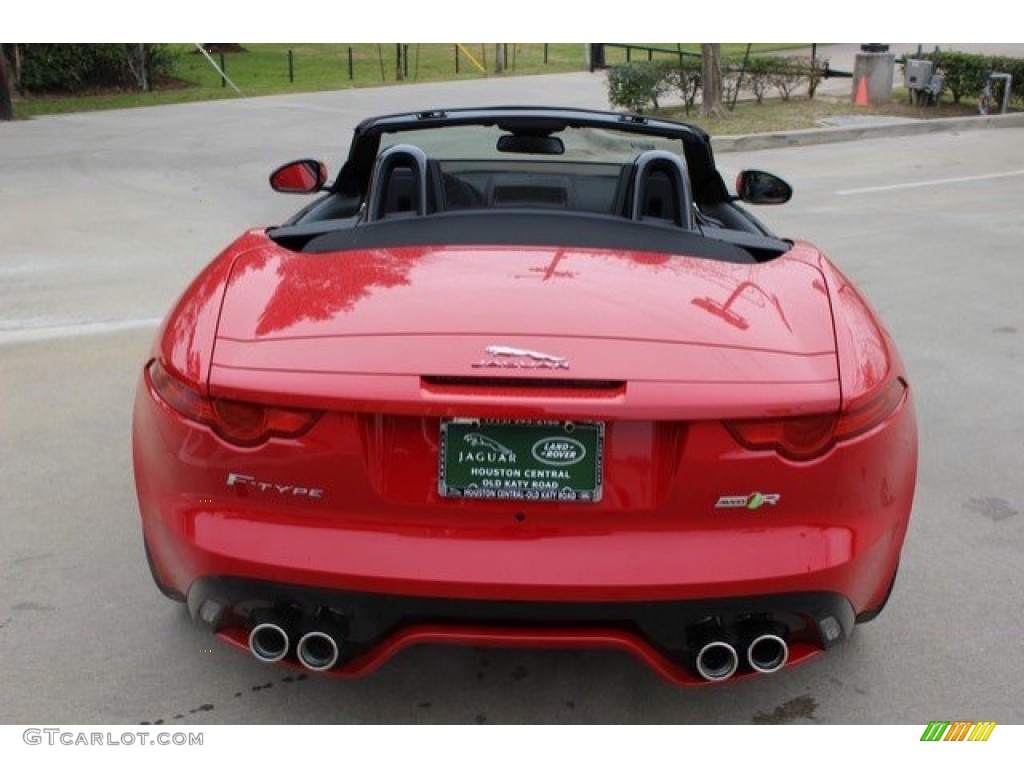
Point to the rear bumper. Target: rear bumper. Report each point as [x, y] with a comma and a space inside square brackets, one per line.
[637, 572]
[665, 635]
[839, 528]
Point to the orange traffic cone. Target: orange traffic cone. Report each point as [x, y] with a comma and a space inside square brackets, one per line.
[861, 99]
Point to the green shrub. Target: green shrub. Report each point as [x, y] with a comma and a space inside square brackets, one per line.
[757, 76]
[964, 74]
[1015, 68]
[637, 85]
[786, 76]
[686, 79]
[70, 67]
[784, 73]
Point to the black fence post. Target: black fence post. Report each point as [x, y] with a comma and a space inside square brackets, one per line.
[545, 53]
[456, 59]
[224, 71]
[291, 67]
[629, 56]
[350, 74]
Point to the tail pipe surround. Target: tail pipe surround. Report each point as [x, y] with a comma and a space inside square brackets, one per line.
[717, 661]
[767, 649]
[268, 641]
[318, 651]
[320, 645]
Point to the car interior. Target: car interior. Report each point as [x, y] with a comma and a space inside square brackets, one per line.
[653, 201]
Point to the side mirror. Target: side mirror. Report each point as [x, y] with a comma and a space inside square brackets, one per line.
[762, 188]
[300, 177]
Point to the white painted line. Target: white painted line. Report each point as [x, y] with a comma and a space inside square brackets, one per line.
[932, 183]
[44, 333]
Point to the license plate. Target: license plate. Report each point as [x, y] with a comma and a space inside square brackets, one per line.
[521, 461]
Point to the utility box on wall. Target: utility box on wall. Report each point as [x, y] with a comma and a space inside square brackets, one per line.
[917, 73]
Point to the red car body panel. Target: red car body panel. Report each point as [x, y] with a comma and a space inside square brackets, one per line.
[362, 330]
[665, 350]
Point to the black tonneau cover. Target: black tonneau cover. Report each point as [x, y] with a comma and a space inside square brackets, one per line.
[535, 228]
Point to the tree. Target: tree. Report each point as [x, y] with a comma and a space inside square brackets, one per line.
[711, 80]
[6, 107]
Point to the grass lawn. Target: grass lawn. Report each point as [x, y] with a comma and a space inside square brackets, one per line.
[262, 69]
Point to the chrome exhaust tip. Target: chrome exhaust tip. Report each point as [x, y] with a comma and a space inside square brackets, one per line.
[767, 653]
[717, 661]
[317, 651]
[268, 642]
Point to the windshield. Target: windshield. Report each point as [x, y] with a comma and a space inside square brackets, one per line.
[480, 142]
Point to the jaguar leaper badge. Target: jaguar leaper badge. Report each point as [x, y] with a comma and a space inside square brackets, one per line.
[513, 357]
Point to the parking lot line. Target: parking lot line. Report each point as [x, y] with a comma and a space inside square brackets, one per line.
[45, 333]
[930, 183]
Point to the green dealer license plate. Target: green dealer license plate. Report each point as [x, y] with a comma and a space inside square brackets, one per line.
[521, 461]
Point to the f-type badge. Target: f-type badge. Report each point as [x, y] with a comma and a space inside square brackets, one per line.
[512, 357]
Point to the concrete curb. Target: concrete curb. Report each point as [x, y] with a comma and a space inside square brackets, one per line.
[852, 133]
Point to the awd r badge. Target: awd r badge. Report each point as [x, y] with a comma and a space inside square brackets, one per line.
[753, 501]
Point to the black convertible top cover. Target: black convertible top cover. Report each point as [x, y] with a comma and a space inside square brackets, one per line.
[527, 228]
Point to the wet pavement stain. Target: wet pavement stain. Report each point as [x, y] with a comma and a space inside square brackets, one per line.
[480, 719]
[992, 507]
[238, 695]
[520, 672]
[1004, 329]
[32, 558]
[794, 709]
[34, 607]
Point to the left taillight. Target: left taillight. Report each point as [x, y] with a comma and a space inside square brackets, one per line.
[237, 422]
[802, 438]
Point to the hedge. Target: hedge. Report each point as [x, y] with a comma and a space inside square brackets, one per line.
[73, 67]
[639, 85]
[964, 74]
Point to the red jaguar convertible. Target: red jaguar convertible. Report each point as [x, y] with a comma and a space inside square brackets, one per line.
[526, 377]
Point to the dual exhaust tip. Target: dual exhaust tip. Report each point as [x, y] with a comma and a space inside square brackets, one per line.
[718, 659]
[317, 650]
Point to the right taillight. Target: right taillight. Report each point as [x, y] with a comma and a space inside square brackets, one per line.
[870, 410]
[801, 438]
[237, 422]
